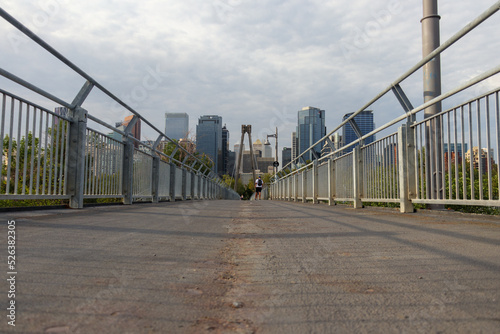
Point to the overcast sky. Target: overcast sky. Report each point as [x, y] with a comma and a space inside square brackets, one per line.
[251, 62]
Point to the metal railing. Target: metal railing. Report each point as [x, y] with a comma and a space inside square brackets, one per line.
[450, 158]
[46, 155]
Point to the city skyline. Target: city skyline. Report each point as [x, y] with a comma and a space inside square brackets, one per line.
[262, 82]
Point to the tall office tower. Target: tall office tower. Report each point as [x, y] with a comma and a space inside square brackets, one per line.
[294, 145]
[364, 121]
[268, 151]
[176, 125]
[209, 138]
[225, 151]
[310, 130]
[286, 156]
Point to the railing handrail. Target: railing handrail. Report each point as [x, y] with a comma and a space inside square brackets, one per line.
[452, 40]
[26, 31]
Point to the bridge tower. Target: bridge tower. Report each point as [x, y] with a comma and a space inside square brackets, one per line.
[244, 129]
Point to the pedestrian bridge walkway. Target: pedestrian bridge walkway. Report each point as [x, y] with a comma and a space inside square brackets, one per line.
[254, 267]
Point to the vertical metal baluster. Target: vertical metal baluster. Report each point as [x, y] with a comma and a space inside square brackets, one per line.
[66, 163]
[99, 164]
[56, 158]
[366, 167]
[430, 164]
[97, 159]
[450, 181]
[396, 168]
[464, 167]
[33, 152]
[497, 117]
[110, 166]
[375, 173]
[105, 179]
[135, 176]
[415, 152]
[88, 167]
[51, 166]
[365, 170]
[441, 159]
[471, 149]
[391, 166]
[26, 148]
[88, 150]
[423, 192]
[94, 163]
[371, 176]
[386, 171]
[120, 168]
[488, 146]
[39, 155]
[457, 156]
[479, 148]
[63, 155]
[387, 168]
[2, 136]
[11, 139]
[86, 164]
[104, 173]
[384, 168]
[106, 166]
[18, 149]
[112, 170]
[46, 153]
[380, 170]
[114, 165]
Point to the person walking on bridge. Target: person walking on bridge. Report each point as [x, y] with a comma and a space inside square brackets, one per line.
[258, 187]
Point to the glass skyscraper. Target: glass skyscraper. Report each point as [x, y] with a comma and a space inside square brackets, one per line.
[311, 128]
[365, 123]
[209, 138]
[176, 125]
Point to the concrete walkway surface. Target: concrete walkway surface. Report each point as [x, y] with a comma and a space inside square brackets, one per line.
[251, 267]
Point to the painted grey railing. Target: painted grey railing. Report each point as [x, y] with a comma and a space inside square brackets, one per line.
[407, 166]
[51, 156]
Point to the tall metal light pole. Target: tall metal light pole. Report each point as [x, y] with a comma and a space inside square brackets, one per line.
[432, 89]
[276, 163]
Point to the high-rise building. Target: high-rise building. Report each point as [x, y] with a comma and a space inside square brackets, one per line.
[311, 129]
[225, 151]
[176, 125]
[365, 123]
[294, 145]
[209, 138]
[286, 156]
[268, 151]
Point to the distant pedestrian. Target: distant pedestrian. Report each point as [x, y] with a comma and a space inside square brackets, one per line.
[258, 187]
